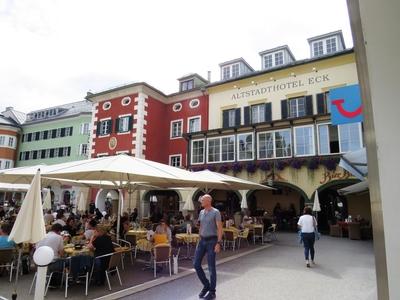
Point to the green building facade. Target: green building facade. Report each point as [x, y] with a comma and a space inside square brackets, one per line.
[56, 135]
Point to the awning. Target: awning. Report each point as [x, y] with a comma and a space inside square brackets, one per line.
[355, 188]
[355, 162]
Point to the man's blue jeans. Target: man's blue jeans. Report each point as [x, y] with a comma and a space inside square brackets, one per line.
[203, 248]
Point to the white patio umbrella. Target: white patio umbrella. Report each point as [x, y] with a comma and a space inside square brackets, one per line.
[355, 188]
[243, 204]
[189, 206]
[355, 162]
[47, 201]
[29, 227]
[316, 205]
[81, 202]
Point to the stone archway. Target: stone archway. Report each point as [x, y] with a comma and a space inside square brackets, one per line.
[227, 201]
[161, 203]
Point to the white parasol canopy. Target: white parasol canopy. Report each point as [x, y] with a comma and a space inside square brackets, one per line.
[189, 206]
[81, 202]
[47, 201]
[355, 188]
[316, 205]
[355, 162]
[29, 226]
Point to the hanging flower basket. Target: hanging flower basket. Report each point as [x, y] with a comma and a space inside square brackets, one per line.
[265, 166]
[330, 164]
[313, 163]
[251, 167]
[280, 165]
[296, 163]
[224, 169]
[211, 168]
[197, 168]
[237, 167]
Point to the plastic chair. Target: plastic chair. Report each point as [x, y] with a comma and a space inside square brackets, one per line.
[132, 239]
[162, 255]
[243, 235]
[271, 232]
[7, 259]
[127, 249]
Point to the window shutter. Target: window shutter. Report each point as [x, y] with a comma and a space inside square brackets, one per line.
[69, 151]
[237, 117]
[62, 132]
[71, 131]
[225, 119]
[309, 105]
[81, 128]
[110, 125]
[98, 128]
[23, 139]
[247, 115]
[117, 125]
[268, 112]
[130, 126]
[284, 109]
[321, 107]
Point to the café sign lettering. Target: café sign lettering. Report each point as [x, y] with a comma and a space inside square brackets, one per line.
[281, 86]
[333, 175]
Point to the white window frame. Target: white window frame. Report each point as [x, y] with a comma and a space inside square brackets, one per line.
[326, 44]
[106, 105]
[171, 137]
[232, 112]
[110, 129]
[238, 149]
[220, 149]
[274, 143]
[359, 133]
[234, 148]
[238, 70]
[126, 101]
[204, 152]
[270, 55]
[223, 72]
[119, 122]
[188, 123]
[196, 101]
[185, 84]
[295, 140]
[283, 58]
[81, 149]
[177, 107]
[259, 107]
[170, 157]
[339, 138]
[82, 131]
[297, 107]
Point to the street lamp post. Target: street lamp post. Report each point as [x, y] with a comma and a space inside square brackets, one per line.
[42, 257]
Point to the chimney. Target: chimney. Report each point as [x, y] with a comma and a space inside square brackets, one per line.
[209, 76]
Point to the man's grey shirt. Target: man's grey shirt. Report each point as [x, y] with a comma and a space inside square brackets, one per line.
[208, 222]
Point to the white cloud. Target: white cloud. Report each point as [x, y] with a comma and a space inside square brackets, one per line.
[54, 51]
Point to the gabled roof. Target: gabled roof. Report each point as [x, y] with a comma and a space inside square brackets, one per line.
[7, 121]
[284, 47]
[236, 60]
[326, 35]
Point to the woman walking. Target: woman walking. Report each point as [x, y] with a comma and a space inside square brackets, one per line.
[308, 224]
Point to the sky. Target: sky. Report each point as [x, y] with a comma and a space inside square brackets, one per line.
[55, 51]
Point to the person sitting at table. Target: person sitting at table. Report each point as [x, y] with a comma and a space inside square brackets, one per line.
[70, 226]
[179, 217]
[90, 229]
[54, 240]
[163, 228]
[48, 217]
[60, 219]
[133, 216]
[5, 230]
[187, 222]
[102, 244]
[126, 226]
[98, 214]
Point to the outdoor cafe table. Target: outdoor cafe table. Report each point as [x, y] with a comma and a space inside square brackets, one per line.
[232, 229]
[188, 239]
[71, 251]
[139, 233]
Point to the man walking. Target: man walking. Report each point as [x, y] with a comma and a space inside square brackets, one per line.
[210, 244]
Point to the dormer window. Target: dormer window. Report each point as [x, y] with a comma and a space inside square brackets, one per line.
[326, 44]
[268, 62]
[276, 57]
[279, 58]
[234, 68]
[231, 71]
[187, 85]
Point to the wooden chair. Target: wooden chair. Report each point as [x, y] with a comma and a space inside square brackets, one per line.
[230, 238]
[162, 255]
[335, 230]
[115, 260]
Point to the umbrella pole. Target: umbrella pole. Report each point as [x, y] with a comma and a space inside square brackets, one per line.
[17, 272]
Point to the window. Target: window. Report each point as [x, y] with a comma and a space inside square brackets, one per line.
[268, 61]
[226, 72]
[45, 134]
[26, 155]
[177, 107]
[328, 138]
[37, 136]
[10, 142]
[279, 58]
[106, 105]
[297, 107]
[228, 148]
[83, 149]
[245, 146]
[197, 151]
[123, 124]
[175, 160]
[331, 45]
[187, 85]
[126, 101]
[105, 127]
[258, 113]
[176, 129]
[275, 144]
[235, 70]
[29, 137]
[231, 117]
[194, 103]
[318, 48]
[304, 141]
[7, 164]
[350, 137]
[214, 150]
[2, 140]
[194, 124]
[85, 128]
